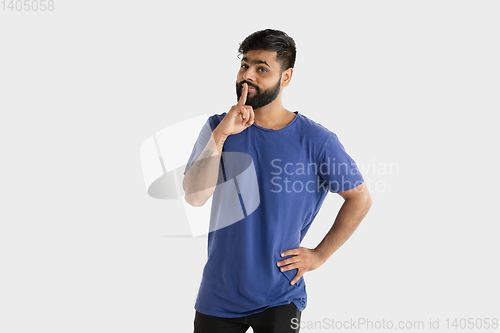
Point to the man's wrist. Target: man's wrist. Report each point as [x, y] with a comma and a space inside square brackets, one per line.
[323, 257]
[217, 134]
[219, 139]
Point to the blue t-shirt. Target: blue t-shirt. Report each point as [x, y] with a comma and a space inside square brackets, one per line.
[279, 180]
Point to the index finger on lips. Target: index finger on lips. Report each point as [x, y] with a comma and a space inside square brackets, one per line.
[243, 97]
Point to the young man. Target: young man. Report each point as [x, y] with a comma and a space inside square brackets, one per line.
[255, 267]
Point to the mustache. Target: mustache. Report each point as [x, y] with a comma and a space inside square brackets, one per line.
[249, 84]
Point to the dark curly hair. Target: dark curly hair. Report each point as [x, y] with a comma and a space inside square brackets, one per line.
[271, 40]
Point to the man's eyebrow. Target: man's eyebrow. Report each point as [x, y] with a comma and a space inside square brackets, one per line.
[256, 61]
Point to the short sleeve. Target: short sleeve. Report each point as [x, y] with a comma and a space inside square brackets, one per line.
[336, 168]
[200, 144]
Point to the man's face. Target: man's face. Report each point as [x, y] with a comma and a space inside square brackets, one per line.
[262, 72]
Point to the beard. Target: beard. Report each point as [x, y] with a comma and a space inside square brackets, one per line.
[261, 98]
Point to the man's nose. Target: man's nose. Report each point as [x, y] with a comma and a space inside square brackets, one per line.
[249, 75]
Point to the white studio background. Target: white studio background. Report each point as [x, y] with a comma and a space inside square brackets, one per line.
[410, 88]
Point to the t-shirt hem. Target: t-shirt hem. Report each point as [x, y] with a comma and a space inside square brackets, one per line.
[220, 314]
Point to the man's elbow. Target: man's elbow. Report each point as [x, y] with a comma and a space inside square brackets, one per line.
[194, 200]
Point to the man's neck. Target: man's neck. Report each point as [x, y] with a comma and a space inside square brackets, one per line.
[273, 115]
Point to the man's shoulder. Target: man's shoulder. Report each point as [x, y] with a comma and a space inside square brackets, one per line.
[313, 129]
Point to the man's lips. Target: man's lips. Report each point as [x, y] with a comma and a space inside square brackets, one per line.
[250, 88]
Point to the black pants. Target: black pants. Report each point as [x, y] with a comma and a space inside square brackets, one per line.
[276, 319]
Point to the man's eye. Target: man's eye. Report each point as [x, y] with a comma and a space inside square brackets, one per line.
[244, 66]
[263, 69]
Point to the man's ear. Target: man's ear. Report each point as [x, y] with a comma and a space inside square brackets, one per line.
[286, 77]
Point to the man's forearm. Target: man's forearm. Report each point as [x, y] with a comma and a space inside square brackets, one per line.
[201, 178]
[347, 221]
